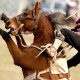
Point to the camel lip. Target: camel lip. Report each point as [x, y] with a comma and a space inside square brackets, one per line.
[11, 29]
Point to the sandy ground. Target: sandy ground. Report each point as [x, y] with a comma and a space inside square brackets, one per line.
[5, 56]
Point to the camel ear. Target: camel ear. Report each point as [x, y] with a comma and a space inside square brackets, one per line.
[37, 7]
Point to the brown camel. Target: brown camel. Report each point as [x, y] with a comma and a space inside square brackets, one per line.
[36, 21]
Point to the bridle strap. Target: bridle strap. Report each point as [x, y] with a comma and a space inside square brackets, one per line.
[37, 19]
[18, 20]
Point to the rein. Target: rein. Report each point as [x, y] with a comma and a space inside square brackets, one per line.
[37, 17]
[42, 49]
[30, 45]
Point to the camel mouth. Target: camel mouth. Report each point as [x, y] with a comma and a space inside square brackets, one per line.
[13, 32]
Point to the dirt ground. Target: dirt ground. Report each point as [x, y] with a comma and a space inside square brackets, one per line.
[6, 57]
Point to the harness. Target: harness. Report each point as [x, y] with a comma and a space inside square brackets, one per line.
[36, 18]
[22, 17]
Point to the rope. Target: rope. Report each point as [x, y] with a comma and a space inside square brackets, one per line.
[72, 14]
[28, 46]
[45, 47]
[15, 32]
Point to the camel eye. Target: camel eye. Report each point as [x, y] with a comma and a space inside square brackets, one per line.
[25, 14]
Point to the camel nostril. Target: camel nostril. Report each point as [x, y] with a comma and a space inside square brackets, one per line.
[7, 26]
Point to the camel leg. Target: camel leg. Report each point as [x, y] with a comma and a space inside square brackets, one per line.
[13, 48]
[20, 42]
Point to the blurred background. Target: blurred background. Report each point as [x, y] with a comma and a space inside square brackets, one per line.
[14, 7]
